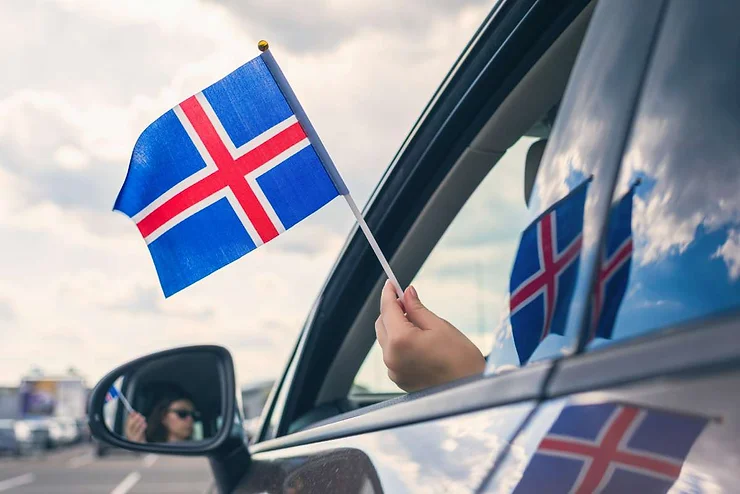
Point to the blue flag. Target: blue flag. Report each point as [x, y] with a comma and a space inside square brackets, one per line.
[224, 172]
[111, 395]
[610, 447]
[614, 271]
[545, 271]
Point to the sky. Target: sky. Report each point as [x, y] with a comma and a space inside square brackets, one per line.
[78, 287]
[84, 77]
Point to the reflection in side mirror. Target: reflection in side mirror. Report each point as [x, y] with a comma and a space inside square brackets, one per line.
[167, 400]
[178, 401]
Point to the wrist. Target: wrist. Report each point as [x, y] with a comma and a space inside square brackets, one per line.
[473, 364]
[478, 363]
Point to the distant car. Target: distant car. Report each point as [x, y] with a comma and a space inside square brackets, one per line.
[70, 430]
[56, 433]
[254, 396]
[29, 436]
[100, 448]
[83, 430]
[8, 442]
[62, 431]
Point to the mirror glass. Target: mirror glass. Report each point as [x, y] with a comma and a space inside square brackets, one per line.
[171, 399]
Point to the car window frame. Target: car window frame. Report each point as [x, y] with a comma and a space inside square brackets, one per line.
[503, 40]
[587, 6]
[476, 393]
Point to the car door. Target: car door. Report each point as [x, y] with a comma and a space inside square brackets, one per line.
[652, 403]
[318, 436]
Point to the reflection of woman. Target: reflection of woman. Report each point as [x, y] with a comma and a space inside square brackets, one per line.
[171, 420]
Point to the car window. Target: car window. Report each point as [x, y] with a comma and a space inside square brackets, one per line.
[466, 278]
[514, 275]
[672, 250]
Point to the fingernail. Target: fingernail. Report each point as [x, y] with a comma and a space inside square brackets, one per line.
[413, 293]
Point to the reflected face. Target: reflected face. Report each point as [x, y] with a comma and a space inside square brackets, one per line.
[179, 420]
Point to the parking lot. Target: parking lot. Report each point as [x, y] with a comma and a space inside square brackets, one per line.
[77, 470]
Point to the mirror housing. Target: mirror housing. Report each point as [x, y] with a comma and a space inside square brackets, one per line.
[216, 362]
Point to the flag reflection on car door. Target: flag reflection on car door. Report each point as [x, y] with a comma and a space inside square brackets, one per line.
[611, 447]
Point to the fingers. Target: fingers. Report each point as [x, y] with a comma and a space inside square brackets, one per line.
[417, 313]
[138, 426]
[380, 332]
[135, 426]
[390, 309]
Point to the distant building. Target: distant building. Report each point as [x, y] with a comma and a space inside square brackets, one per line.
[10, 406]
[57, 396]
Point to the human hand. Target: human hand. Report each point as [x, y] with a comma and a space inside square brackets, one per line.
[421, 349]
[135, 427]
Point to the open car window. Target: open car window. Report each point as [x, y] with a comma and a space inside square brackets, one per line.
[505, 270]
[465, 278]
[452, 221]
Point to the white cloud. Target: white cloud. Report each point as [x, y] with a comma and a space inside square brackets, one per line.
[669, 233]
[317, 26]
[667, 217]
[730, 252]
[91, 75]
[7, 312]
[687, 149]
[71, 158]
[481, 436]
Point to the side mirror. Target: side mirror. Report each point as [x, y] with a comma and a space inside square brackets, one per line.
[183, 401]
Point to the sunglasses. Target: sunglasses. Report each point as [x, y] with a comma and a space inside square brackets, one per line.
[183, 414]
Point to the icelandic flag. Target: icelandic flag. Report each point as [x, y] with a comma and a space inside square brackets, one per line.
[614, 269]
[224, 172]
[610, 447]
[111, 395]
[545, 271]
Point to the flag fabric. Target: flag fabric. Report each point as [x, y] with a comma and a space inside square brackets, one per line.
[611, 447]
[224, 172]
[614, 268]
[111, 395]
[545, 270]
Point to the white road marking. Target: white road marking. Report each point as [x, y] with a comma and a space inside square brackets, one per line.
[127, 484]
[17, 481]
[80, 461]
[149, 460]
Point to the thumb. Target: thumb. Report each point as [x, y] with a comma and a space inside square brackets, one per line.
[417, 313]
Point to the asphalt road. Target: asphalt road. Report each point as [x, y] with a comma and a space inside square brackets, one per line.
[75, 470]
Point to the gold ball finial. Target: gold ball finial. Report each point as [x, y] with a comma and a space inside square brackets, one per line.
[263, 45]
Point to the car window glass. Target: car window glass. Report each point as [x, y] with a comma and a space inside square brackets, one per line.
[672, 248]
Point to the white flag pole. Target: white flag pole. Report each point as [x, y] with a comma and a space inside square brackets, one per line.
[331, 169]
[374, 244]
[125, 403]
